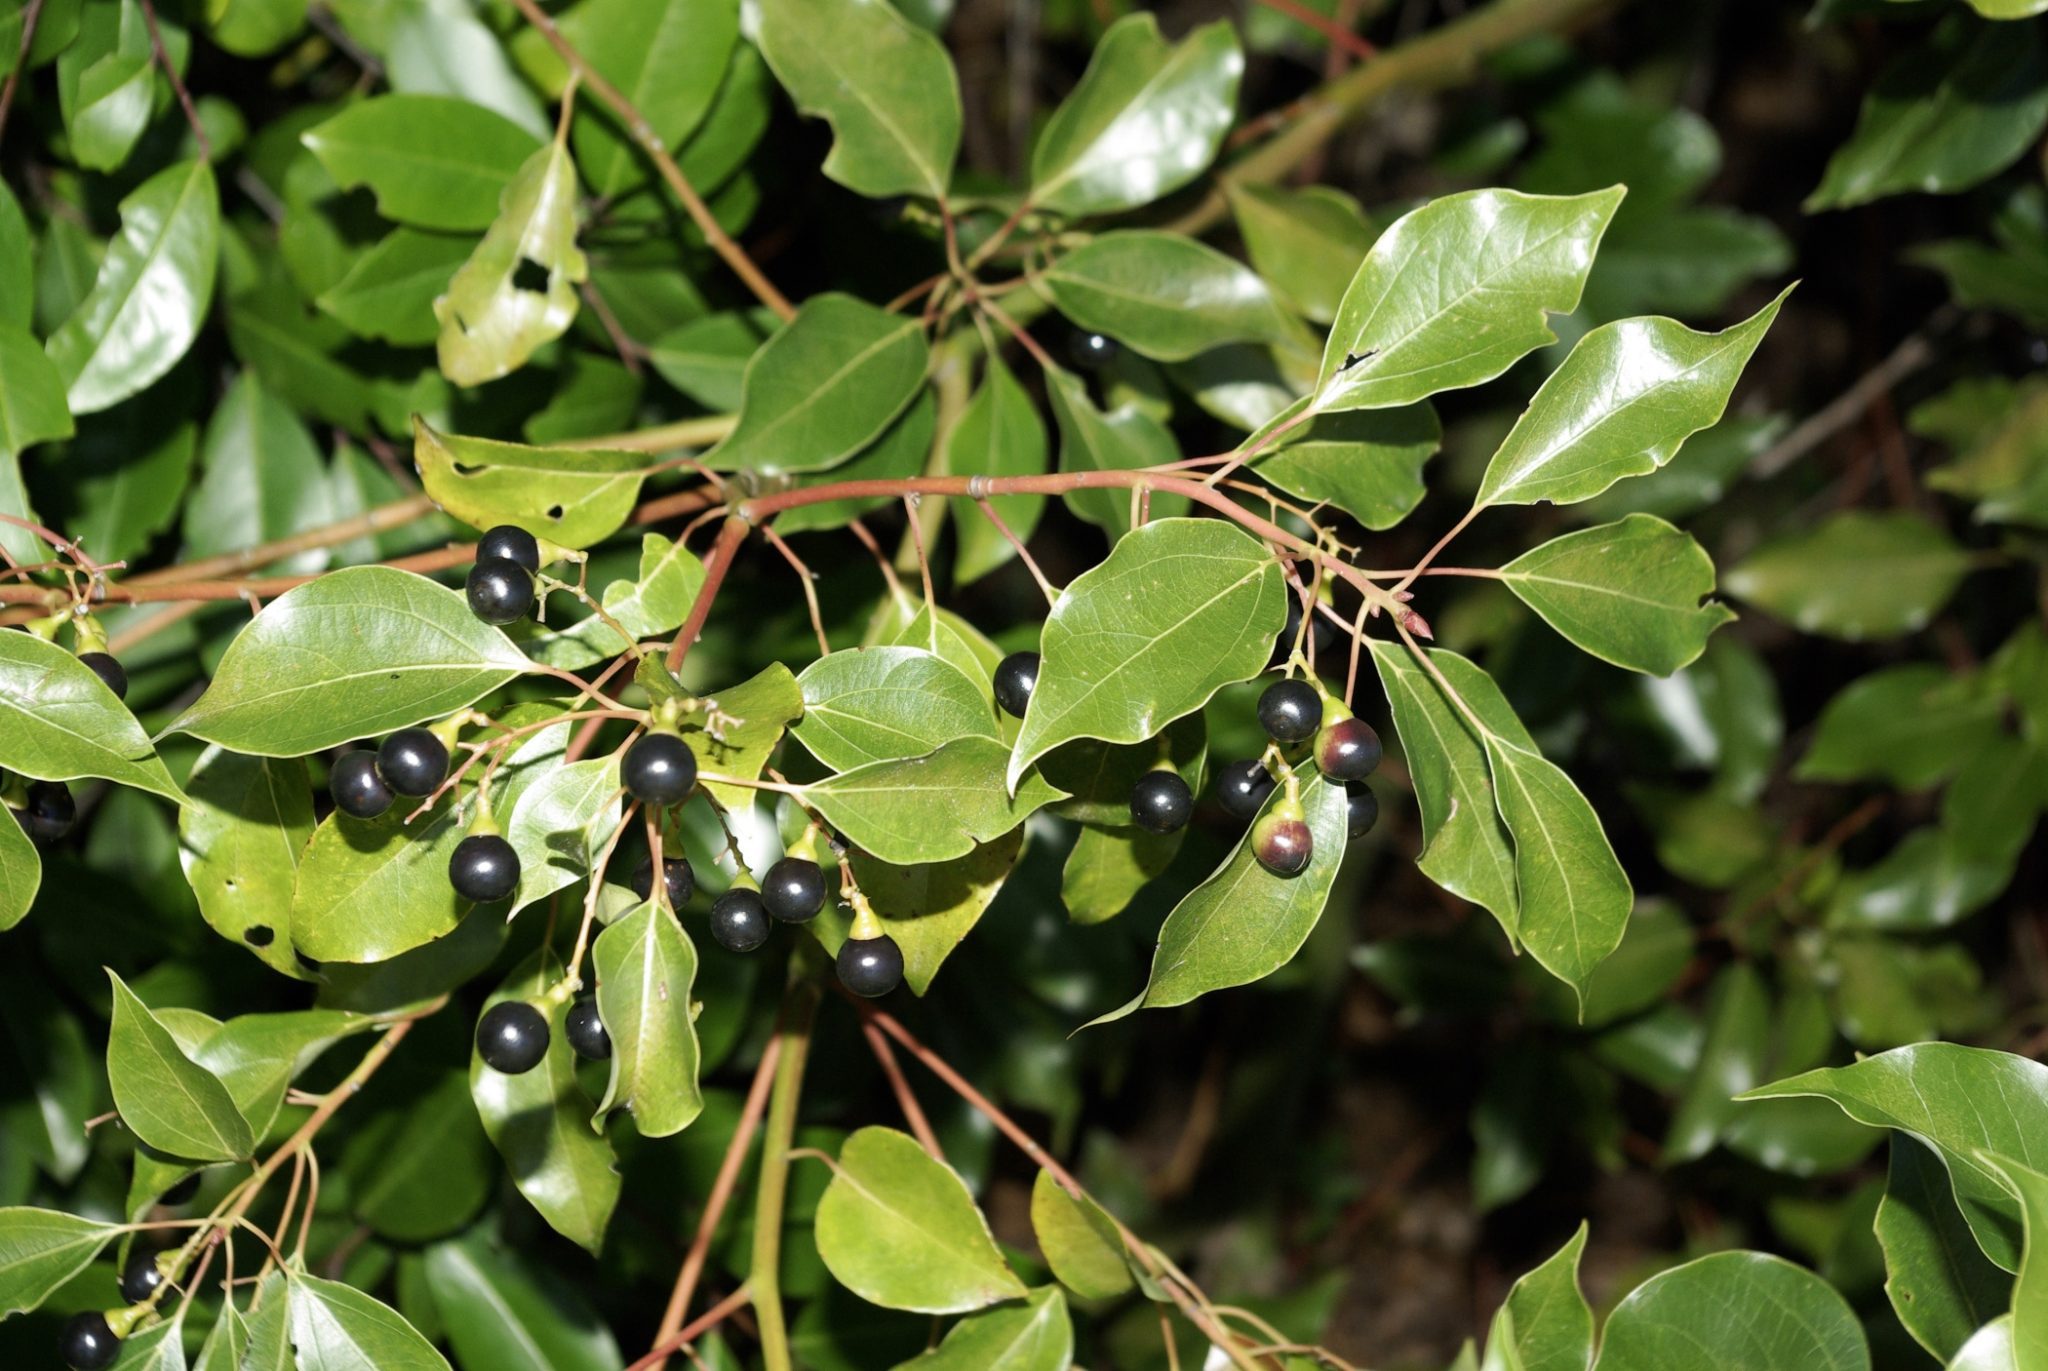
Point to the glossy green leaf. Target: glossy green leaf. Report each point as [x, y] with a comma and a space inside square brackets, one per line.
[1307, 243]
[262, 478]
[1367, 463]
[1545, 1323]
[1035, 1336]
[1168, 296]
[1080, 1241]
[1989, 1349]
[560, 824]
[336, 1327]
[491, 320]
[1941, 1285]
[1934, 1091]
[741, 726]
[706, 359]
[540, 1123]
[666, 58]
[1912, 725]
[505, 1311]
[1147, 117]
[41, 1250]
[886, 87]
[151, 294]
[1857, 574]
[1732, 1058]
[1180, 609]
[646, 968]
[881, 703]
[63, 723]
[2030, 1292]
[106, 83]
[1630, 593]
[1108, 866]
[1123, 438]
[31, 394]
[167, 1099]
[931, 808]
[900, 1230]
[354, 654]
[653, 603]
[389, 291]
[999, 434]
[1680, 1320]
[930, 908]
[1622, 403]
[239, 841]
[369, 889]
[256, 1056]
[21, 871]
[825, 386]
[1456, 292]
[253, 28]
[438, 49]
[903, 451]
[449, 178]
[573, 497]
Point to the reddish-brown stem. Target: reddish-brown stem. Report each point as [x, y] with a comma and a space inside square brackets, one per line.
[373, 521]
[808, 580]
[28, 38]
[906, 1100]
[716, 564]
[156, 43]
[139, 592]
[1023, 553]
[697, 1328]
[1323, 24]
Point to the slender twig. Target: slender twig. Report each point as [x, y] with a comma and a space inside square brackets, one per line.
[156, 43]
[1338, 34]
[697, 1328]
[906, 1099]
[716, 564]
[808, 580]
[1023, 553]
[29, 17]
[1913, 353]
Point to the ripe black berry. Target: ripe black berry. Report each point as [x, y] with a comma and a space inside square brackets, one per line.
[870, 967]
[358, 790]
[1242, 787]
[1347, 750]
[512, 1037]
[87, 1344]
[483, 868]
[1016, 678]
[1282, 843]
[108, 670]
[739, 921]
[140, 1278]
[675, 874]
[794, 890]
[586, 1033]
[1161, 802]
[512, 543]
[49, 812]
[500, 590]
[1091, 350]
[412, 762]
[659, 770]
[1290, 710]
[1362, 810]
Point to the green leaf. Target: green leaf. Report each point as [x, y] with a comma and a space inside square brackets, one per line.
[1940, 1283]
[17, 256]
[269, 1328]
[227, 1345]
[825, 386]
[932, 808]
[263, 478]
[1856, 574]
[256, 1056]
[1100, 776]
[1990, 1349]
[885, 86]
[336, 1327]
[254, 28]
[1121, 439]
[106, 83]
[1035, 1336]
[1179, 609]
[1146, 119]
[1307, 243]
[239, 842]
[1624, 401]
[1732, 1058]
[1080, 1242]
[490, 321]
[1629, 592]
[1168, 296]
[1912, 726]
[356, 653]
[41, 1250]
[929, 908]
[998, 434]
[903, 451]
[706, 359]
[369, 889]
[389, 291]
[31, 395]
[1108, 866]
[749, 720]
[654, 603]
[900, 1230]
[424, 1170]
[167, 1099]
[2030, 1292]
[21, 871]
[666, 58]
[1367, 463]
[63, 722]
[646, 967]
[561, 824]
[158, 1348]
[881, 703]
[540, 1122]
[1545, 1323]
[570, 496]
[510, 1313]
[1456, 292]
[151, 294]
[1955, 111]
[1934, 1091]
[1680, 1320]
[449, 180]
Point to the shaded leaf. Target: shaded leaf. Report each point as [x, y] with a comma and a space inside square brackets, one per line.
[450, 180]
[1035, 1336]
[1307, 243]
[1857, 574]
[1940, 1283]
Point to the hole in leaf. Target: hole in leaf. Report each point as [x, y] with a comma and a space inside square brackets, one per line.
[530, 275]
[259, 935]
[554, 511]
[467, 468]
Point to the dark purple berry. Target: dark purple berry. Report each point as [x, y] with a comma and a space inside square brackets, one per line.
[500, 591]
[1016, 678]
[358, 790]
[586, 1032]
[110, 672]
[87, 1344]
[739, 921]
[413, 762]
[1290, 711]
[870, 967]
[1091, 351]
[483, 868]
[675, 874]
[140, 1278]
[49, 813]
[794, 890]
[1161, 802]
[1282, 843]
[1362, 811]
[1241, 787]
[1347, 750]
[512, 543]
[659, 770]
[512, 1037]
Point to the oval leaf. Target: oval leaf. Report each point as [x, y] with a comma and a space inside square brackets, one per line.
[1680, 1320]
[646, 967]
[1168, 296]
[1627, 592]
[451, 180]
[932, 808]
[570, 496]
[239, 842]
[167, 1099]
[61, 721]
[880, 703]
[41, 1250]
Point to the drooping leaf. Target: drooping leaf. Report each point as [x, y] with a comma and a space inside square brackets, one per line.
[1629, 593]
[999, 434]
[573, 497]
[1679, 1320]
[370, 889]
[1168, 296]
[706, 358]
[41, 1250]
[666, 58]
[1545, 1323]
[336, 1327]
[2030, 1291]
[646, 968]
[1100, 776]
[1307, 243]
[1940, 1283]
[1857, 574]
[256, 1056]
[1123, 438]
[1080, 1242]
[901, 1231]
[932, 808]
[450, 179]
[1037, 1335]
[239, 841]
[1367, 463]
[63, 723]
[495, 313]
[167, 1099]
[881, 703]
[356, 653]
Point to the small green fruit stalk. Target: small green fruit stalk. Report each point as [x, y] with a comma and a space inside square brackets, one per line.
[1281, 839]
[870, 963]
[93, 652]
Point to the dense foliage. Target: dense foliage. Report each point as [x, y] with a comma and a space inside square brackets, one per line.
[712, 679]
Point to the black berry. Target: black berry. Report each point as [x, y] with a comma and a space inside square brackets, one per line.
[500, 591]
[49, 813]
[659, 770]
[511, 543]
[585, 1032]
[1283, 844]
[870, 966]
[108, 670]
[1161, 802]
[1242, 787]
[1347, 750]
[794, 890]
[87, 1344]
[739, 921]
[675, 874]
[1290, 711]
[413, 762]
[483, 868]
[512, 1037]
[1091, 350]
[140, 1278]
[358, 790]
[1362, 811]
[1016, 678]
